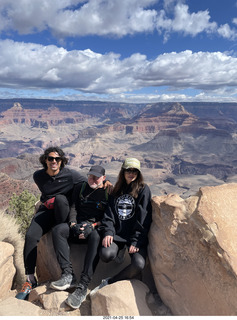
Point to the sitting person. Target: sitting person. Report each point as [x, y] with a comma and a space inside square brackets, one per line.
[56, 183]
[126, 222]
[89, 203]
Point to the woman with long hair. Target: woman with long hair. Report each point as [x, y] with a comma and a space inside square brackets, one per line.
[127, 221]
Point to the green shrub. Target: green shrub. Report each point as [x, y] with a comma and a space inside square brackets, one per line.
[22, 207]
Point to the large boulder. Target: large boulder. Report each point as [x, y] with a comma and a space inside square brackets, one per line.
[50, 299]
[193, 251]
[14, 307]
[123, 298]
[7, 269]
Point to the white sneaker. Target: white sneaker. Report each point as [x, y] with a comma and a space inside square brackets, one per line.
[104, 283]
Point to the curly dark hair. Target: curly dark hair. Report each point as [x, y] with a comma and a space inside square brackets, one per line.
[60, 152]
[121, 183]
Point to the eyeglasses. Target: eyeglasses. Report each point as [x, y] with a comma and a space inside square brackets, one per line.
[51, 159]
[131, 170]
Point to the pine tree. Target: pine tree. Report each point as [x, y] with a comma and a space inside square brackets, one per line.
[22, 207]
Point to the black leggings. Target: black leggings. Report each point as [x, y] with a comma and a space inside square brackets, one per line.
[138, 261]
[61, 235]
[42, 222]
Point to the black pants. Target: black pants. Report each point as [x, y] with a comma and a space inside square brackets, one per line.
[61, 235]
[138, 261]
[42, 222]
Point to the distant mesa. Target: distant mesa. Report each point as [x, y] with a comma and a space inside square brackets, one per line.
[17, 106]
[177, 108]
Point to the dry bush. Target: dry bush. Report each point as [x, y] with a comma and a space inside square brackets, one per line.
[9, 232]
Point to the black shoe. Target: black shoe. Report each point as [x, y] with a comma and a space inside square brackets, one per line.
[75, 299]
[66, 281]
[26, 289]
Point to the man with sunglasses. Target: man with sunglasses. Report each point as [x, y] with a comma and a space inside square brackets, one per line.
[89, 203]
[56, 183]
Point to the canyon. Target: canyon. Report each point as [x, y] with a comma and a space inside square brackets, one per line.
[181, 146]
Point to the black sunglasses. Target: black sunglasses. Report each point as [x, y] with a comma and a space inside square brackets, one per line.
[54, 158]
[131, 170]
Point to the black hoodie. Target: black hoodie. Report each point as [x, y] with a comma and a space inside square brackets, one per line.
[128, 219]
[62, 183]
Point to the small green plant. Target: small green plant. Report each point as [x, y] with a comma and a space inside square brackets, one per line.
[22, 207]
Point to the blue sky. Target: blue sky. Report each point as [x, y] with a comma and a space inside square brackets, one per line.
[119, 50]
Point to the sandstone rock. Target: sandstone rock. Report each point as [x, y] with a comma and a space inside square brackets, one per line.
[123, 298]
[7, 269]
[47, 265]
[54, 300]
[15, 307]
[193, 252]
[35, 294]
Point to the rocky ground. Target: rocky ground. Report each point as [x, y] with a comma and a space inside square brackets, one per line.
[15, 307]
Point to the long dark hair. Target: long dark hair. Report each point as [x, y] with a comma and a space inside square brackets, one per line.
[121, 184]
[59, 151]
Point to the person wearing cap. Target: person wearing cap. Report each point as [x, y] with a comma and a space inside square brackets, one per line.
[126, 222]
[89, 201]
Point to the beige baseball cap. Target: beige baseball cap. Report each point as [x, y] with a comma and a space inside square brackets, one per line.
[131, 163]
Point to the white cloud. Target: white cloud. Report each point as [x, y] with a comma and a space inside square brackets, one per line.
[100, 17]
[25, 16]
[193, 23]
[151, 98]
[77, 17]
[169, 4]
[32, 66]
[185, 22]
[226, 32]
[117, 18]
